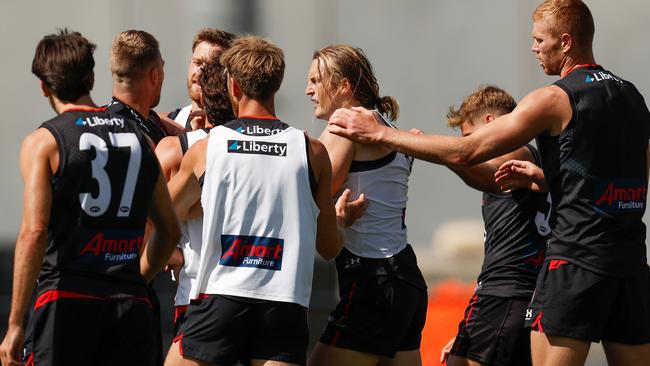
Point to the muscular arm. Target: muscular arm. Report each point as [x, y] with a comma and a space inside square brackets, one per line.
[328, 238]
[481, 176]
[166, 232]
[37, 152]
[545, 109]
[169, 155]
[341, 152]
[184, 187]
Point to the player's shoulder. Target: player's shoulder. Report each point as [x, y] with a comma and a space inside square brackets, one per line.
[547, 92]
[318, 154]
[40, 139]
[169, 144]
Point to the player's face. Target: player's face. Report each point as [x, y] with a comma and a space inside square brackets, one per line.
[547, 48]
[200, 56]
[318, 93]
[468, 127]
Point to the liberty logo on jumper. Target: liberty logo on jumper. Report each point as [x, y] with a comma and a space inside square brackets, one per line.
[255, 130]
[112, 247]
[600, 76]
[251, 251]
[621, 195]
[98, 121]
[257, 147]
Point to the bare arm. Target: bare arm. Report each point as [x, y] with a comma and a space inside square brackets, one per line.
[328, 236]
[166, 232]
[35, 156]
[169, 155]
[341, 152]
[545, 109]
[184, 186]
[482, 176]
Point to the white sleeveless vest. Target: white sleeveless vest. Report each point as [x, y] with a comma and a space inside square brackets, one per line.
[380, 232]
[190, 243]
[181, 117]
[259, 228]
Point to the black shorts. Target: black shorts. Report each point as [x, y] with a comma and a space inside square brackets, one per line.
[179, 318]
[86, 331]
[493, 333]
[379, 314]
[226, 329]
[571, 301]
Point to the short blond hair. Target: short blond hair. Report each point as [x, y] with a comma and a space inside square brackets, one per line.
[132, 52]
[487, 99]
[256, 64]
[568, 16]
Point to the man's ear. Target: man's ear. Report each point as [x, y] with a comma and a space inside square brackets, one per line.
[567, 42]
[155, 74]
[346, 88]
[46, 91]
[236, 90]
[489, 118]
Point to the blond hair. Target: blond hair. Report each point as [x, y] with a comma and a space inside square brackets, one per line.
[341, 62]
[256, 64]
[132, 52]
[487, 99]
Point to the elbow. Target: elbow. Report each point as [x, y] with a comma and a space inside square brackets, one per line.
[462, 159]
[327, 255]
[33, 235]
[329, 252]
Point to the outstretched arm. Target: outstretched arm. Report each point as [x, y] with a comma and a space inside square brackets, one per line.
[481, 176]
[545, 109]
[36, 153]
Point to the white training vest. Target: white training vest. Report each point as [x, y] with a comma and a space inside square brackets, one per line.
[191, 232]
[259, 228]
[380, 232]
[181, 117]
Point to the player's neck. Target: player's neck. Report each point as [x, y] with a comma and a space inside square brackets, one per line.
[252, 107]
[85, 101]
[572, 62]
[135, 101]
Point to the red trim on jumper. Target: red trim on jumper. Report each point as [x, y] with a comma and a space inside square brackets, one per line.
[346, 312]
[537, 324]
[556, 263]
[84, 109]
[471, 309]
[579, 67]
[30, 360]
[178, 311]
[260, 117]
[53, 295]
